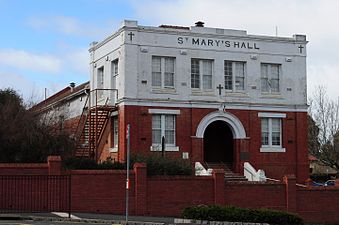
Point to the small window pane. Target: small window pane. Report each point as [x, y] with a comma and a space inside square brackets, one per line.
[156, 123]
[156, 129]
[169, 80]
[264, 70]
[276, 138]
[156, 71]
[264, 85]
[169, 137]
[195, 71]
[169, 122]
[169, 65]
[264, 131]
[207, 82]
[207, 67]
[156, 136]
[228, 75]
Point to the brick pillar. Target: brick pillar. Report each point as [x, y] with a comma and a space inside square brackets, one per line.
[219, 186]
[291, 193]
[140, 171]
[54, 165]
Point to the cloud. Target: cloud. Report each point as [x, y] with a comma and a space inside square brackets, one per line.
[78, 59]
[23, 60]
[71, 26]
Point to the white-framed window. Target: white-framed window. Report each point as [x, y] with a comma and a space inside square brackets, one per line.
[115, 132]
[271, 133]
[100, 81]
[270, 77]
[163, 71]
[234, 73]
[201, 73]
[100, 77]
[163, 125]
[115, 72]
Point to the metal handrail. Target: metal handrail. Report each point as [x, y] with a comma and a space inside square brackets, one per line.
[78, 136]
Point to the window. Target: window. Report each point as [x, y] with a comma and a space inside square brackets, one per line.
[100, 77]
[271, 134]
[100, 81]
[270, 77]
[115, 73]
[234, 75]
[163, 72]
[163, 125]
[115, 133]
[201, 73]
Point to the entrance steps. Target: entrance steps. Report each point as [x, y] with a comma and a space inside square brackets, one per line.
[230, 176]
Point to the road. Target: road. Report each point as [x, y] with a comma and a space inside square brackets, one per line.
[30, 222]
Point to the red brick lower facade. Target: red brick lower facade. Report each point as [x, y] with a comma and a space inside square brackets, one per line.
[189, 122]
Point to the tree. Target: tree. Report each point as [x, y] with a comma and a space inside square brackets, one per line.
[323, 128]
[26, 136]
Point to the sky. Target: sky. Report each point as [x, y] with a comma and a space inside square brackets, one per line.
[44, 43]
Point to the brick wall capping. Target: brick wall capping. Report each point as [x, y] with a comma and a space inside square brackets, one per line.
[91, 172]
[23, 165]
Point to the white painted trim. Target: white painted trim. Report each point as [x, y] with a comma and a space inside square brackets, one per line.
[164, 111]
[114, 149]
[271, 115]
[272, 149]
[236, 126]
[216, 105]
[157, 148]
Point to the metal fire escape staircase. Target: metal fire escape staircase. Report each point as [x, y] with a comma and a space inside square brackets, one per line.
[91, 127]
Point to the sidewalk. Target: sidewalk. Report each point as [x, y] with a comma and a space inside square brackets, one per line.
[89, 217]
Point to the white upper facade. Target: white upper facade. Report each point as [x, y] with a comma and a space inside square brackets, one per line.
[200, 67]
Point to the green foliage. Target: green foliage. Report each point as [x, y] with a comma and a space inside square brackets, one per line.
[90, 164]
[158, 165]
[25, 136]
[235, 214]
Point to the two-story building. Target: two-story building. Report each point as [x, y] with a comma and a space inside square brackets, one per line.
[215, 95]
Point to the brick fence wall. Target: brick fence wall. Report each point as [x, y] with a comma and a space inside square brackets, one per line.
[104, 192]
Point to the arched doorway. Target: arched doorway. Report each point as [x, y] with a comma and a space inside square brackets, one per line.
[218, 143]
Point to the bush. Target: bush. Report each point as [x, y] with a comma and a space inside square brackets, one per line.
[158, 165]
[235, 214]
[90, 164]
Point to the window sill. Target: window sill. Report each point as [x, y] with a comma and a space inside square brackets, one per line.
[271, 95]
[112, 150]
[163, 90]
[272, 149]
[242, 94]
[157, 148]
[200, 92]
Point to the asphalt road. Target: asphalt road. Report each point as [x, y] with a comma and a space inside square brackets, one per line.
[30, 222]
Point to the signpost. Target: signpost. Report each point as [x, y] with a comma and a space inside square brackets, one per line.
[127, 165]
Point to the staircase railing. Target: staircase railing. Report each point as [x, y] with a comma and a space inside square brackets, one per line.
[93, 101]
[82, 121]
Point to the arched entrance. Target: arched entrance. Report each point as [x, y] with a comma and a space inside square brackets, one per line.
[216, 127]
[218, 143]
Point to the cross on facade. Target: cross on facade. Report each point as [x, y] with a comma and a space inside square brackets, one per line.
[219, 88]
[300, 48]
[130, 34]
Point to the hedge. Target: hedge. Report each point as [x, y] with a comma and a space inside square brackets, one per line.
[156, 165]
[235, 214]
